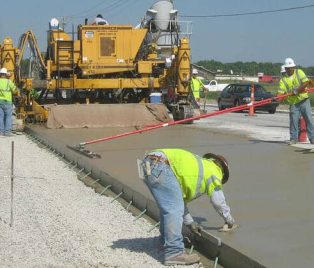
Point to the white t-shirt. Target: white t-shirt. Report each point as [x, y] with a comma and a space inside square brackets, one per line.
[100, 21]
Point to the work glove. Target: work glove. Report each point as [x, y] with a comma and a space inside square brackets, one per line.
[195, 228]
[227, 227]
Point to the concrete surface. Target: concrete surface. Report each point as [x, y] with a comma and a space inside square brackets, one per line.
[270, 189]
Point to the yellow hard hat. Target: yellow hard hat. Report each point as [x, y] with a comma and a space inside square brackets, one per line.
[221, 162]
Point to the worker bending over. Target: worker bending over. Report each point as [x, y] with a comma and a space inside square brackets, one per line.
[176, 177]
[296, 82]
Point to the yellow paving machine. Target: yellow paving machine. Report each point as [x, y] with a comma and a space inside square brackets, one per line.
[105, 64]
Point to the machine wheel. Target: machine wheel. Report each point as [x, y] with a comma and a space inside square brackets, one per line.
[183, 113]
[272, 111]
[220, 106]
[237, 103]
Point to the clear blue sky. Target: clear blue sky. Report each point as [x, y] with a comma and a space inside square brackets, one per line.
[269, 37]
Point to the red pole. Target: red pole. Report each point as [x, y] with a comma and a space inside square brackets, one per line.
[302, 130]
[233, 109]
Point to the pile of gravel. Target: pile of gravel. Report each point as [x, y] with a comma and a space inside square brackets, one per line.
[59, 222]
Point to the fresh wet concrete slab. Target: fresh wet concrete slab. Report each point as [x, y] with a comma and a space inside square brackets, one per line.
[269, 191]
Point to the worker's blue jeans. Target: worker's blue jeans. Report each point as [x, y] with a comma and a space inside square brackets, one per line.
[303, 108]
[5, 117]
[168, 195]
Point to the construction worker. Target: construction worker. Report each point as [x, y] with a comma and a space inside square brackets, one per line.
[176, 177]
[54, 24]
[99, 20]
[7, 88]
[295, 82]
[196, 85]
[283, 70]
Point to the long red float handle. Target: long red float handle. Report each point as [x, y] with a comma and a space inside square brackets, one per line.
[233, 109]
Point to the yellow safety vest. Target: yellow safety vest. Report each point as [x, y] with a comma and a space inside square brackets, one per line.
[195, 175]
[196, 85]
[287, 85]
[7, 87]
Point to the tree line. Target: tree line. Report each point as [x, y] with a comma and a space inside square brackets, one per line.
[248, 68]
[237, 68]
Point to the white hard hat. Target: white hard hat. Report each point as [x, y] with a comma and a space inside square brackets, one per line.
[194, 71]
[289, 63]
[283, 70]
[54, 22]
[3, 71]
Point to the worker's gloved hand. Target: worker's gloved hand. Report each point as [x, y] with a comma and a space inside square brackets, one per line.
[227, 227]
[195, 228]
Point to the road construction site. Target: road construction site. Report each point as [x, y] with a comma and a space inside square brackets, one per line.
[269, 191]
[95, 103]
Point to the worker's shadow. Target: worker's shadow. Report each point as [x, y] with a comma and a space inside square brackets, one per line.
[305, 151]
[148, 245]
[201, 221]
[267, 141]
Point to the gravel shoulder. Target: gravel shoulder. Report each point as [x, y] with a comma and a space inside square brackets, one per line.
[59, 222]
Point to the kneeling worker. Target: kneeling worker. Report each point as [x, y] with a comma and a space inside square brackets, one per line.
[176, 177]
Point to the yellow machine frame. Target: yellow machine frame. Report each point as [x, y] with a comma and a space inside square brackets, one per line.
[103, 57]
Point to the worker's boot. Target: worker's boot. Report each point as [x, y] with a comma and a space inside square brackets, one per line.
[182, 259]
[291, 142]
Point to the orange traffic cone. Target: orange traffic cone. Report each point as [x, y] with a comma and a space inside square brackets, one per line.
[251, 109]
[302, 130]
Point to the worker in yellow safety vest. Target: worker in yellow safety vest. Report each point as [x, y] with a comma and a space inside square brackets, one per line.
[7, 88]
[296, 82]
[176, 177]
[196, 85]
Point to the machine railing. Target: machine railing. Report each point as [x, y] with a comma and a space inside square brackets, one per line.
[183, 28]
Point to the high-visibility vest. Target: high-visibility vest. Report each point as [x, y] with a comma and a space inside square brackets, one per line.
[196, 176]
[287, 85]
[7, 87]
[196, 85]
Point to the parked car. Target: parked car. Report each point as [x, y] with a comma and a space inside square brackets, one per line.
[213, 85]
[240, 94]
